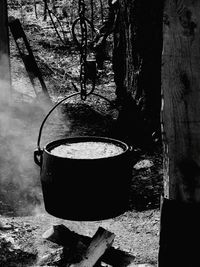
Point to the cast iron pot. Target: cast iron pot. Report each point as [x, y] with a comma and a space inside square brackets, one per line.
[85, 189]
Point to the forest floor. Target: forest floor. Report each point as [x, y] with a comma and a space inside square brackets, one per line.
[23, 219]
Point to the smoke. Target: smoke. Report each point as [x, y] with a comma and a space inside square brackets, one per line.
[20, 120]
[20, 189]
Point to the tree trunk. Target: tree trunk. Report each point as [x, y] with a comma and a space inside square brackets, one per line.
[4, 51]
[149, 16]
[140, 48]
[180, 115]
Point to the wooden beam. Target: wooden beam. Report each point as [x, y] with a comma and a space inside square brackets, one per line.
[181, 98]
[180, 231]
[4, 47]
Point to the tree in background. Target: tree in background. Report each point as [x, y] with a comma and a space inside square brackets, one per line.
[140, 30]
[137, 29]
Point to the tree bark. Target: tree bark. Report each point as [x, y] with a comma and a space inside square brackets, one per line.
[149, 16]
[140, 31]
[181, 134]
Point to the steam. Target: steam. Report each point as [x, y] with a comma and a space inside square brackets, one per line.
[20, 188]
[20, 120]
[19, 183]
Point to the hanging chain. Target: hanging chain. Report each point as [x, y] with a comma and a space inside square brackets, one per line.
[83, 49]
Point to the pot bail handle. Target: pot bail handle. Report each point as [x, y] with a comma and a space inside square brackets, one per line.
[39, 150]
[38, 153]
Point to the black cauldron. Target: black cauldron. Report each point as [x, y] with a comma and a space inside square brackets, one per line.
[85, 189]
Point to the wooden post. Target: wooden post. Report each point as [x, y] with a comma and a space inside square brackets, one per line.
[180, 223]
[4, 48]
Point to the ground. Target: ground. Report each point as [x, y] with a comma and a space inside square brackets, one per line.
[23, 219]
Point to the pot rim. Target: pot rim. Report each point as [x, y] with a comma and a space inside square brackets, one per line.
[126, 147]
